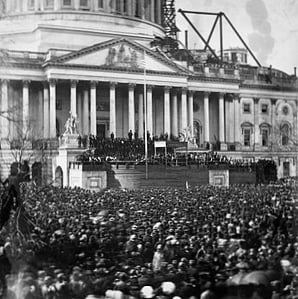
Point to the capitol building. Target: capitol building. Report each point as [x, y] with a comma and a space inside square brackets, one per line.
[92, 58]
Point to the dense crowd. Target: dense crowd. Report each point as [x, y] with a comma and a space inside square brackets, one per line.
[124, 149]
[169, 243]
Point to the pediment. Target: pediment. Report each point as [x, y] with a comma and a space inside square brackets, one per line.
[121, 54]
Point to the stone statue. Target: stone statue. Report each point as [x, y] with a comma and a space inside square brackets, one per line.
[71, 125]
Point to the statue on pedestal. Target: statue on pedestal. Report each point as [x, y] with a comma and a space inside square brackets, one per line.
[71, 125]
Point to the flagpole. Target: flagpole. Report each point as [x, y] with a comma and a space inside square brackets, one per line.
[145, 118]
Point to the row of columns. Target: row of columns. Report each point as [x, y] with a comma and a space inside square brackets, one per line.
[151, 10]
[49, 109]
[170, 110]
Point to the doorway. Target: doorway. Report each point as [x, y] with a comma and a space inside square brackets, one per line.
[101, 131]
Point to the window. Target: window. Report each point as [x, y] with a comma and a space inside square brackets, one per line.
[247, 129]
[246, 133]
[31, 4]
[246, 108]
[100, 3]
[118, 8]
[49, 3]
[265, 136]
[84, 3]
[285, 110]
[285, 134]
[124, 6]
[265, 132]
[286, 169]
[66, 3]
[264, 108]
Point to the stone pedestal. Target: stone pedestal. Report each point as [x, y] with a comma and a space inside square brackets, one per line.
[69, 141]
[219, 177]
[223, 147]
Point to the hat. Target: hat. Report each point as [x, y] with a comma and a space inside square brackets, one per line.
[168, 287]
[147, 292]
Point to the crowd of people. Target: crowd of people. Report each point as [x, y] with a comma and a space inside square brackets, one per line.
[157, 243]
[133, 150]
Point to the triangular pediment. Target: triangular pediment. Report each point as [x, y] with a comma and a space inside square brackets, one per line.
[120, 54]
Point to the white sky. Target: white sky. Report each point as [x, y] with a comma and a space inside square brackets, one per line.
[269, 27]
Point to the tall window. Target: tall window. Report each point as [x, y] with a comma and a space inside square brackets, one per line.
[246, 107]
[100, 3]
[49, 3]
[125, 6]
[31, 4]
[285, 134]
[265, 132]
[286, 169]
[265, 136]
[246, 137]
[66, 3]
[84, 3]
[247, 131]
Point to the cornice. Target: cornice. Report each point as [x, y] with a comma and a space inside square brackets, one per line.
[113, 69]
[268, 87]
[213, 79]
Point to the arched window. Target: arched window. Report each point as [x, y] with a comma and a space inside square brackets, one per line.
[49, 3]
[197, 128]
[58, 177]
[285, 132]
[247, 130]
[265, 132]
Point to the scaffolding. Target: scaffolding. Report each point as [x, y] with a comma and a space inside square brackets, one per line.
[169, 19]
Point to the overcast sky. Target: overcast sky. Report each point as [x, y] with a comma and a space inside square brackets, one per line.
[269, 27]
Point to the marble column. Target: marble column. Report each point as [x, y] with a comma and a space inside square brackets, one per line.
[7, 5]
[4, 108]
[80, 113]
[73, 97]
[190, 112]
[93, 109]
[113, 108]
[141, 11]
[273, 132]
[236, 118]
[221, 118]
[131, 107]
[184, 109]
[39, 130]
[26, 126]
[149, 110]
[57, 4]
[141, 116]
[85, 117]
[128, 7]
[46, 111]
[158, 12]
[36, 5]
[52, 108]
[133, 7]
[18, 6]
[167, 116]
[256, 122]
[174, 114]
[76, 4]
[152, 9]
[121, 6]
[206, 118]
